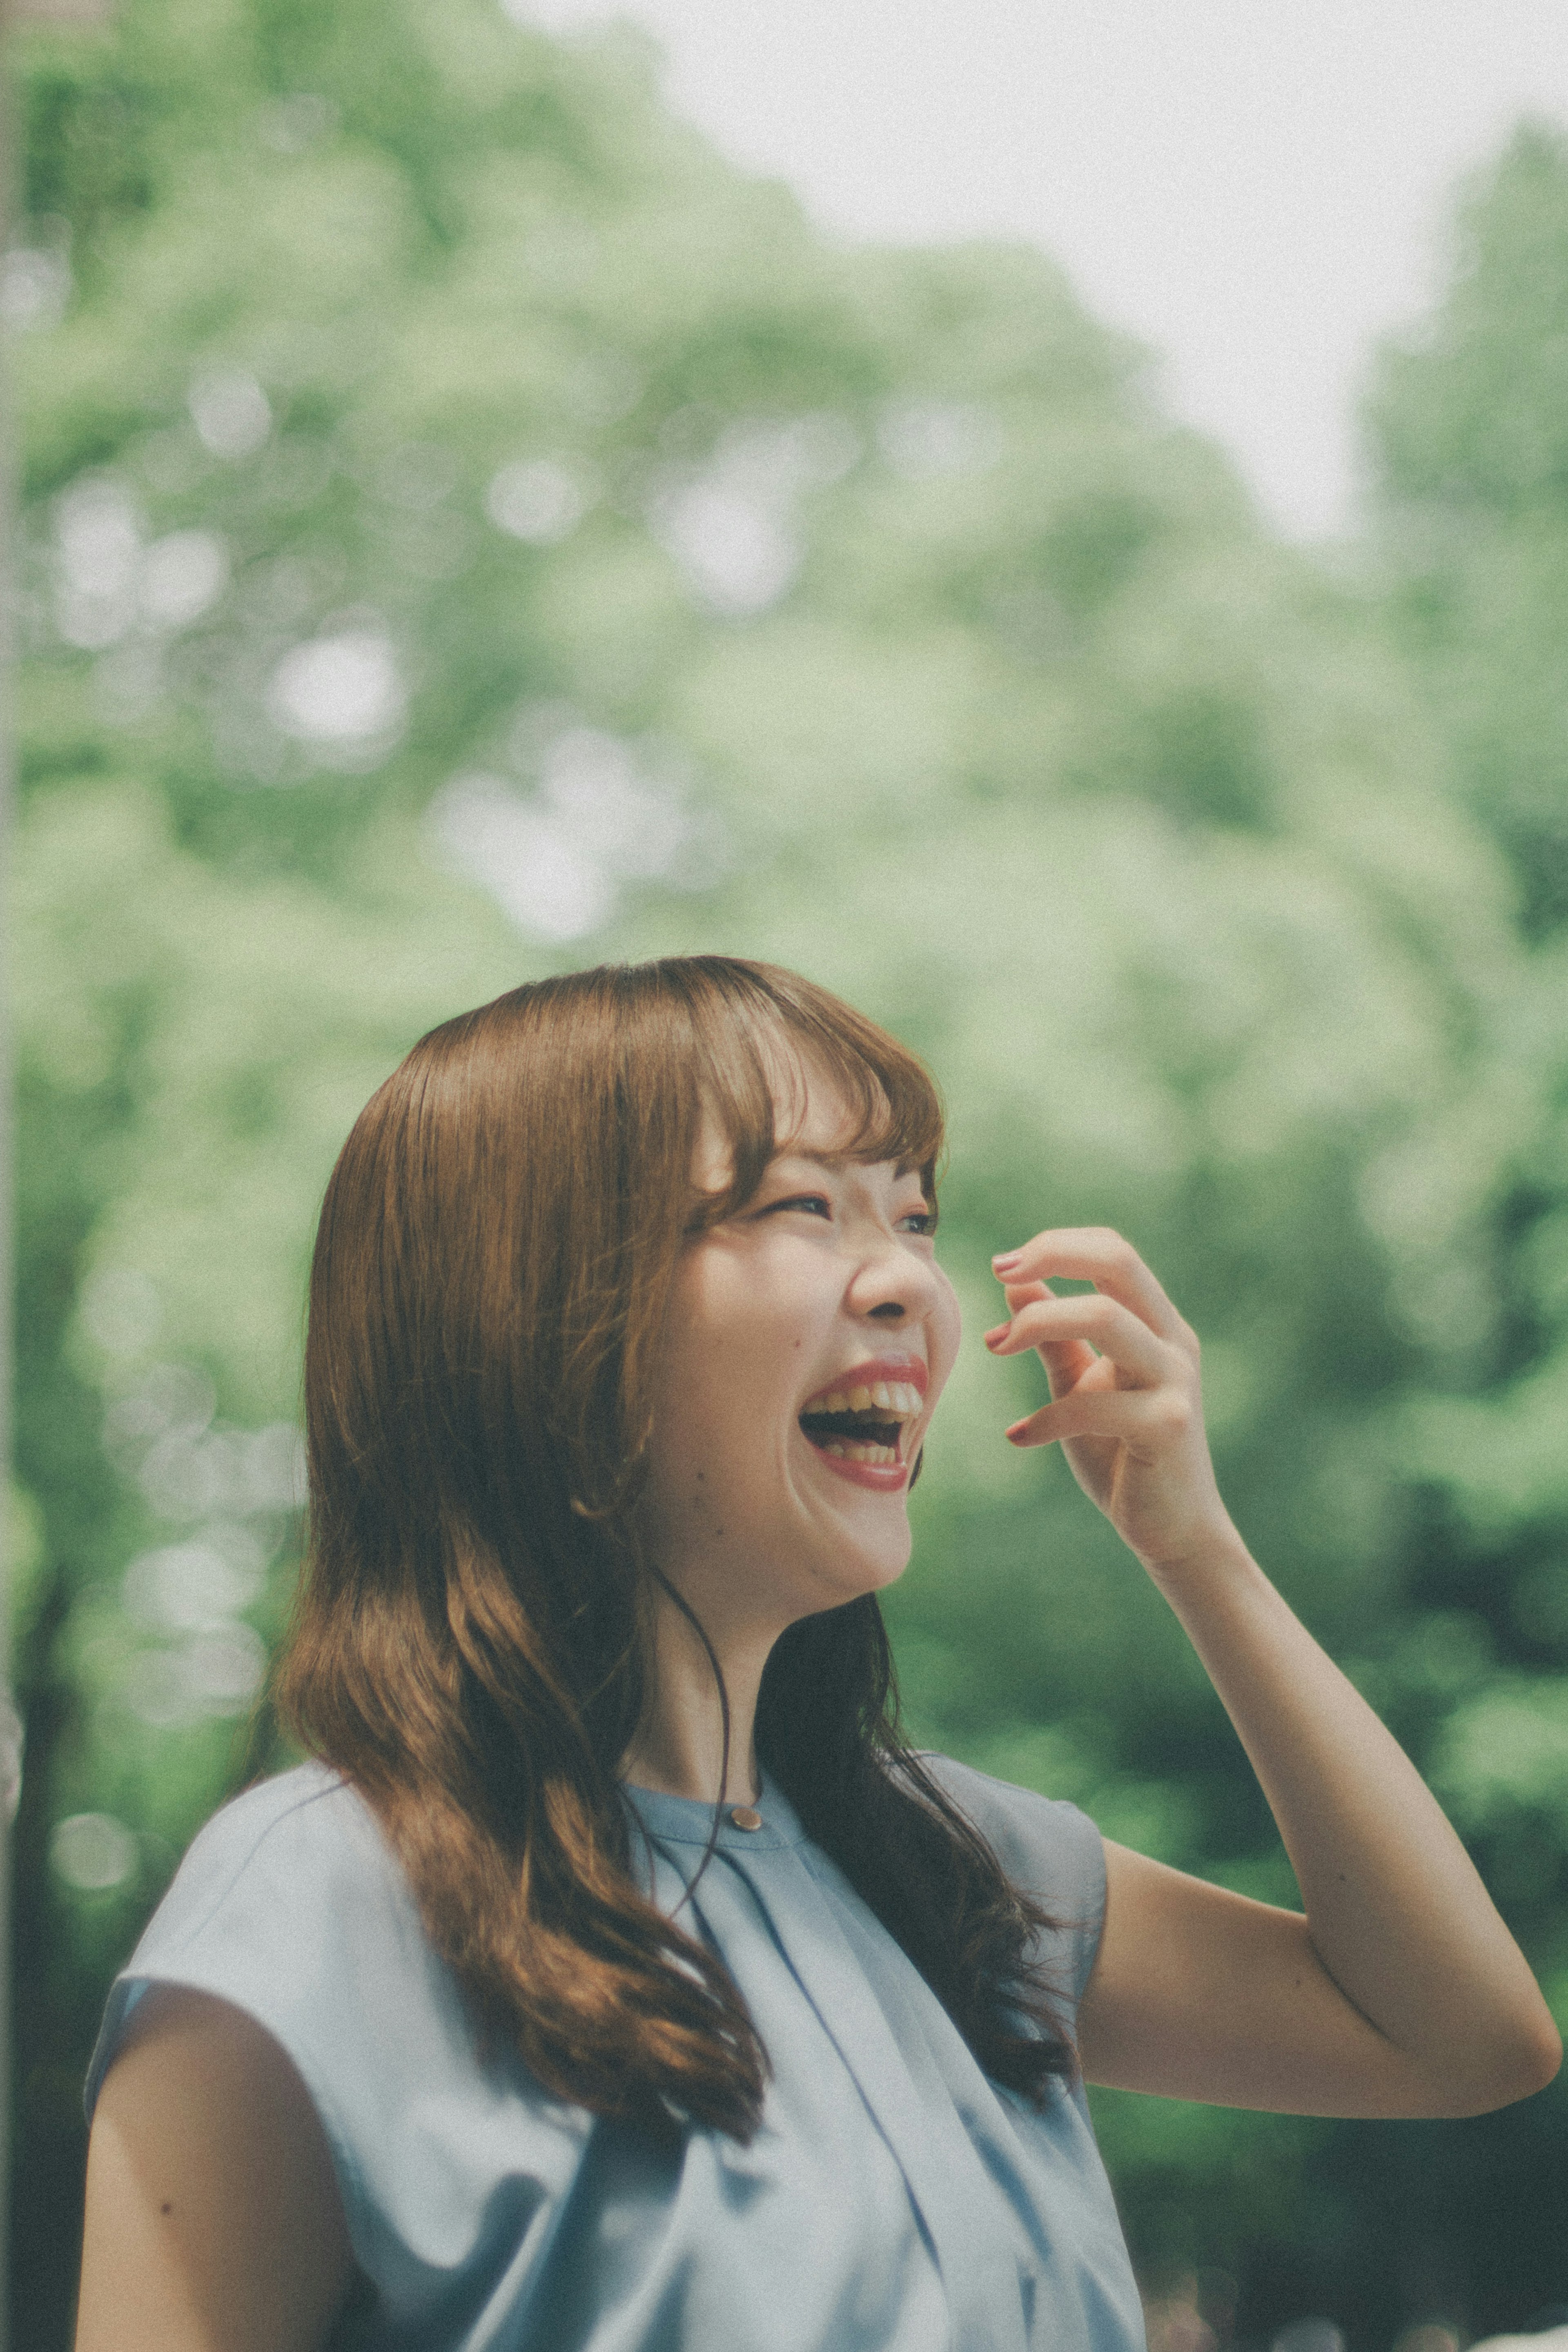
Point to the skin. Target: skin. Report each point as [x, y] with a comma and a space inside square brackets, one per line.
[213, 2219]
[833, 1264]
[213, 2222]
[1398, 1990]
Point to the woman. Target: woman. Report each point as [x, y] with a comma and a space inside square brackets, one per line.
[614, 1976]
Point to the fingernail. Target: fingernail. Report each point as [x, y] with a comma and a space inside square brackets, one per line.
[1005, 1260]
[1016, 1433]
[999, 1333]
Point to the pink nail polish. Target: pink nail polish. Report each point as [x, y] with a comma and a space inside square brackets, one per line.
[1005, 1260]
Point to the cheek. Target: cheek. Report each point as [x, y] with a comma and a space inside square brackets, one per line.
[732, 1354]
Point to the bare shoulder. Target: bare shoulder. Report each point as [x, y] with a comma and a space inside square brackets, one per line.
[214, 2222]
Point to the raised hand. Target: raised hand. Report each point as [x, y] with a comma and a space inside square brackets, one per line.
[1126, 1405]
[1400, 1992]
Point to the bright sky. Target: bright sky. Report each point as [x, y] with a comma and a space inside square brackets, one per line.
[1256, 189]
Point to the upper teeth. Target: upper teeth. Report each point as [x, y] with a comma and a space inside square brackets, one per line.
[900, 1398]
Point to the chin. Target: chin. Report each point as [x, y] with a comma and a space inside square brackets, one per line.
[854, 1571]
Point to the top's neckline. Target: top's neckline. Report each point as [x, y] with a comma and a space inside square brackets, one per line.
[688, 1821]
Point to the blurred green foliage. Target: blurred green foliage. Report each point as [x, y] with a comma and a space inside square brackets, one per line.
[469, 532]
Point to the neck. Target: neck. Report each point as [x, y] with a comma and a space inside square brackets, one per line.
[679, 1744]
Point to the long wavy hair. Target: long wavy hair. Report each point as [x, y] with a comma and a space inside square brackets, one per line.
[470, 1645]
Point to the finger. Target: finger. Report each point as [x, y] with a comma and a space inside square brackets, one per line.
[1097, 1254]
[1024, 1294]
[1067, 1361]
[1093, 1319]
[1145, 1419]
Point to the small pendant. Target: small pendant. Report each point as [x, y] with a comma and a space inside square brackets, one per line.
[744, 1818]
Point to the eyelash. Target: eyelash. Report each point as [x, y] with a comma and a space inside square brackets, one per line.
[921, 1222]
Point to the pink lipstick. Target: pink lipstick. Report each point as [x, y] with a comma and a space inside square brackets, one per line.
[857, 1422]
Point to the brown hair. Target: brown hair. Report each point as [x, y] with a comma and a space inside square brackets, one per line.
[494, 1255]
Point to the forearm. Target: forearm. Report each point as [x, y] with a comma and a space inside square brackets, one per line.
[1415, 1984]
[1396, 1909]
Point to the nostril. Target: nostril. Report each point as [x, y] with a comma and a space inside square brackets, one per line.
[890, 1311]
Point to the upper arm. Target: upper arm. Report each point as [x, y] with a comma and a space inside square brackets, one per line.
[1198, 1993]
[214, 2222]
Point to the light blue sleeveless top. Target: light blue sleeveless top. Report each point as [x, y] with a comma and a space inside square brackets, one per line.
[894, 2200]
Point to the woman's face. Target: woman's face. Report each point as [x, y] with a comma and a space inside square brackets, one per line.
[808, 1341]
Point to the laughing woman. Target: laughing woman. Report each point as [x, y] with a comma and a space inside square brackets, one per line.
[613, 1978]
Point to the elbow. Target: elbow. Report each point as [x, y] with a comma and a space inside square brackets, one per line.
[1515, 2066]
[1541, 2056]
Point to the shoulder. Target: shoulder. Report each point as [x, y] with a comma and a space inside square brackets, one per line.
[294, 1856]
[290, 1906]
[311, 1806]
[1049, 1849]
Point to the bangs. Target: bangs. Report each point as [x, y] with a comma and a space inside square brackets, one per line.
[766, 1037]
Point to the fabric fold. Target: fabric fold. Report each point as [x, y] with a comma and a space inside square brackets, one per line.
[893, 2200]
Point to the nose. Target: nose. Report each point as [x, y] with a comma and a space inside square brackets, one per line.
[890, 1283]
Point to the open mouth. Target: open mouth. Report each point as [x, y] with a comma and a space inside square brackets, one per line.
[866, 1425]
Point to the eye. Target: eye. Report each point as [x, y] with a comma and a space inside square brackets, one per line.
[918, 1221]
[814, 1204]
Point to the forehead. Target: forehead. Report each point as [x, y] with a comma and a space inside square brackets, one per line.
[812, 1112]
[814, 1118]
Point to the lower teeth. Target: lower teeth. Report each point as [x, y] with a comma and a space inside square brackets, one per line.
[885, 1457]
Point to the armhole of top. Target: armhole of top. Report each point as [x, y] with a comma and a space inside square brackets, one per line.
[126, 1996]
[1003, 1818]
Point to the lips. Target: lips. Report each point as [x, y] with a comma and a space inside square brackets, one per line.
[858, 1422]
